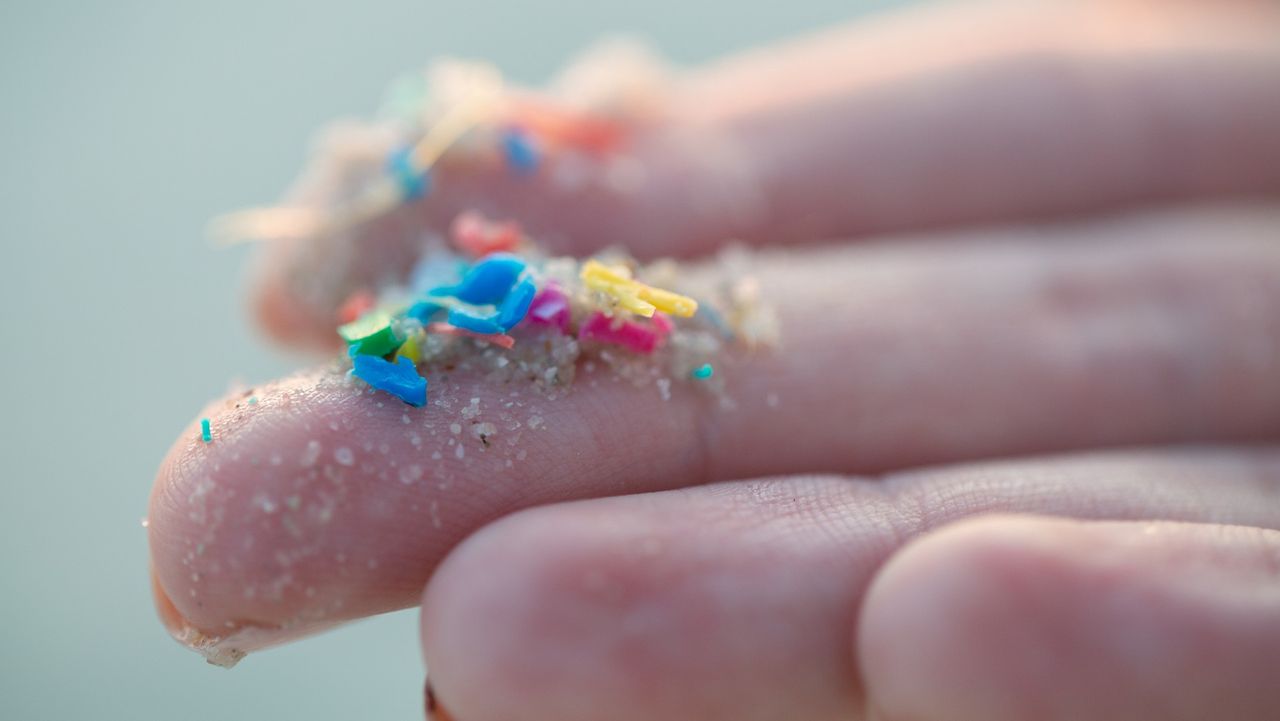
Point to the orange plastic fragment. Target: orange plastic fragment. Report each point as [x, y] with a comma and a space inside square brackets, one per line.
[561, 126]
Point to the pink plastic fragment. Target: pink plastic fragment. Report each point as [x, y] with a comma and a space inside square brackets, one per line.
[477, 236]
[662, 323]
[637, 336]
[550, 307]
[501, 340]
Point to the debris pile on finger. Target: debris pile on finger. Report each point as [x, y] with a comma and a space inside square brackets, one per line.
[464, 114]
[509, 311]
[487, 298]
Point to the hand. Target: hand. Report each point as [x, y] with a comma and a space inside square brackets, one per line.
[1084, 199]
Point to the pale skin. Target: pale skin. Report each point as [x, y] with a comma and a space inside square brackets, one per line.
[1021, 442]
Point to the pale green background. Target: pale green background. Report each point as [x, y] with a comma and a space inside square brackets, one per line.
[123, 127]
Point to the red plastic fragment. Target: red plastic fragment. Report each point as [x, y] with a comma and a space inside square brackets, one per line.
[477, 236]
[356, 305]
[640, 337]
[502, 340]
[550, 307]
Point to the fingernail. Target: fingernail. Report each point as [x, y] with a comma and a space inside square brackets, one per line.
[216, 650]
[435, 712]
[225, 649]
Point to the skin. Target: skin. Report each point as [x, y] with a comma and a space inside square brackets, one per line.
[1020, 448]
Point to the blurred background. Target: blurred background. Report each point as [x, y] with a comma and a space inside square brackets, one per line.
[124, 127]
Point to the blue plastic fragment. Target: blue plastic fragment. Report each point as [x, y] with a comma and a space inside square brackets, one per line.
[413, 183]
[475, 322]
[496, 290]
[206, 433]
[708, 313]
[703, 372]
[521, 153]
[513, 308]
[516, 305]
[423, 310]
[400, 379]
[488, 281]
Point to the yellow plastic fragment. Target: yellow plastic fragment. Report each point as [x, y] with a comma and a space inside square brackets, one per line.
[668, 302]
[410, 349]
[633, 295]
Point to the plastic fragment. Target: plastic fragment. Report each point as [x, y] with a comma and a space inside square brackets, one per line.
[717, 321]
[488, 281]
[410, 349]
[253, 400]
[516, 305]
[577, 129]
[520, 151]
[499, 339]
[493, 296]
[550, 307]
[476, 322]
[668, 302]
[400, 379]
[423, 311]
[639, 337]
[633, 295]
[372, 334]
[615, 281]
[703, 372]
[498, 320]
[206, 433]
[479, 323]
[477, 236]
[356, 305]
[413, 183]
[523, 129]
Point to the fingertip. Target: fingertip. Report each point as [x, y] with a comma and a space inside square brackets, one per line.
[239, 525]
[485, 625]
[316, 500]
[1019, 617]
[931, 627]
[539, 616]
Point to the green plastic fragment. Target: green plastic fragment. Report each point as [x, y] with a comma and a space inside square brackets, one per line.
[206, 433]
[703, 372]
[253, 400]
[371, 334]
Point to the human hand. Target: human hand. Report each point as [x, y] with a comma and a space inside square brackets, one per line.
[1129, 295]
